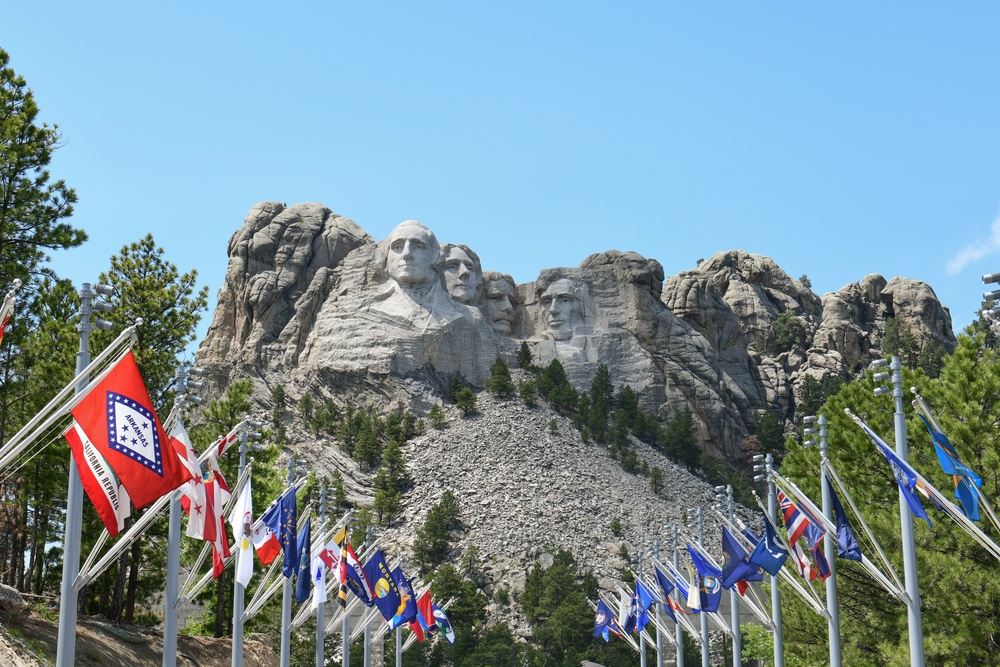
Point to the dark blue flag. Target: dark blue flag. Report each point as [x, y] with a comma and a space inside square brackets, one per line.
[847, 545]
[407, 611]
[304, 576]
[383, 585]
[736, 568]
[604, 620]
[281, 518]
[667, 587]
[709, 581]
[751, 538]
[967, 482]
[769, 554]
[646, 599]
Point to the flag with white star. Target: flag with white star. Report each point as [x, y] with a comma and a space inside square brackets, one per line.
[118, 418]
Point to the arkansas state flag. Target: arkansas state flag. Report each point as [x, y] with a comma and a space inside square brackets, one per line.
[118, 418]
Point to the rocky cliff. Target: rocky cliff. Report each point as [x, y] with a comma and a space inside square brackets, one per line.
[312, 302]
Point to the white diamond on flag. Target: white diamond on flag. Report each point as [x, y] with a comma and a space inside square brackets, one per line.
[132, 431]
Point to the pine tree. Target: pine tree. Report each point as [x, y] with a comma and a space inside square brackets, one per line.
[465, 400]
[500, 382]
[680, 440]
[437, 416]
[524, 356]
[32, 209]
[148, 286]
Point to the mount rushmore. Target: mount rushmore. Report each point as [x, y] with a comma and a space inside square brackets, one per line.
[313, 303]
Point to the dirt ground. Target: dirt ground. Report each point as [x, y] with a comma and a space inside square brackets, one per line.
[28, 640]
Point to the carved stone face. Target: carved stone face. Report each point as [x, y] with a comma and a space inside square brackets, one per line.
[460, 277]
[500, 303]
[561, 309]
[412, 250]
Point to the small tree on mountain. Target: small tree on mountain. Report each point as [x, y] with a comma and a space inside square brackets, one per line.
[500, 382]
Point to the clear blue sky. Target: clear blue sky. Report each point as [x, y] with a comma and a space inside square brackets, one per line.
[840, 139]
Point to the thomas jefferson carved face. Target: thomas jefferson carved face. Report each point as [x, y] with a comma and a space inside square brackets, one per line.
[412, 251]
[460, 275]
[561, 308]
[500, 301]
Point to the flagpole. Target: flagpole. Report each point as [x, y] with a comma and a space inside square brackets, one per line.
[68, 596]
[830, 544]
[286, 592]
[321, 606]
[239, 590]
[705, 648]
[659, 620]
[642, 636]
[678, 630]
[915, 623]
[734, 596]
[772, 509]
[171, 591]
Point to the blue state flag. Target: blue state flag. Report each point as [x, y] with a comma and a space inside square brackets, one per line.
[709, 581]
[384, 588]
[407, 610]
[906, 477]
[667, 587]
[282, 519]
[967, 482]
[751, 538]
[769, 554]
[303, 577]
[847, 544]
[736, 568]
[646, 599]
[604, 620]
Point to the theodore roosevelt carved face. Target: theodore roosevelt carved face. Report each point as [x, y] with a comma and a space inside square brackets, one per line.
[500, 291]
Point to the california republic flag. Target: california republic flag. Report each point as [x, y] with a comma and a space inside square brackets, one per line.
[109, 497]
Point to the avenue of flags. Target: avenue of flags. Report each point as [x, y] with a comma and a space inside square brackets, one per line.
[127, 458]
[745, 557]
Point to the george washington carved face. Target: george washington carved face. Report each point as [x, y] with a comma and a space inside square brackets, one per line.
[412, 250]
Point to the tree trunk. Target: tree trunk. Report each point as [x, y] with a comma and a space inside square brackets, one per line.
[118, 594]
[133, 581]
[221, 625]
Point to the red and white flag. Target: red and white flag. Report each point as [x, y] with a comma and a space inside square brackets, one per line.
[105, 491]
[7, 309]
[265, 543]
[193, 500]
[217, 495]
[118, 419]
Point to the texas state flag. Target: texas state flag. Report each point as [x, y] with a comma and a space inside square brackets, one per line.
[118, 419]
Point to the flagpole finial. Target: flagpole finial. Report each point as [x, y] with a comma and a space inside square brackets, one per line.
[138, 321]
[913, 390]
[17, 283]
[847, 410]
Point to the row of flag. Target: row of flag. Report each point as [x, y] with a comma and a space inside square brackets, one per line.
[126, 459]
[805, 534]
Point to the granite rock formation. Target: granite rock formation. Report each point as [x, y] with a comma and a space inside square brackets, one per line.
[311, 300]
